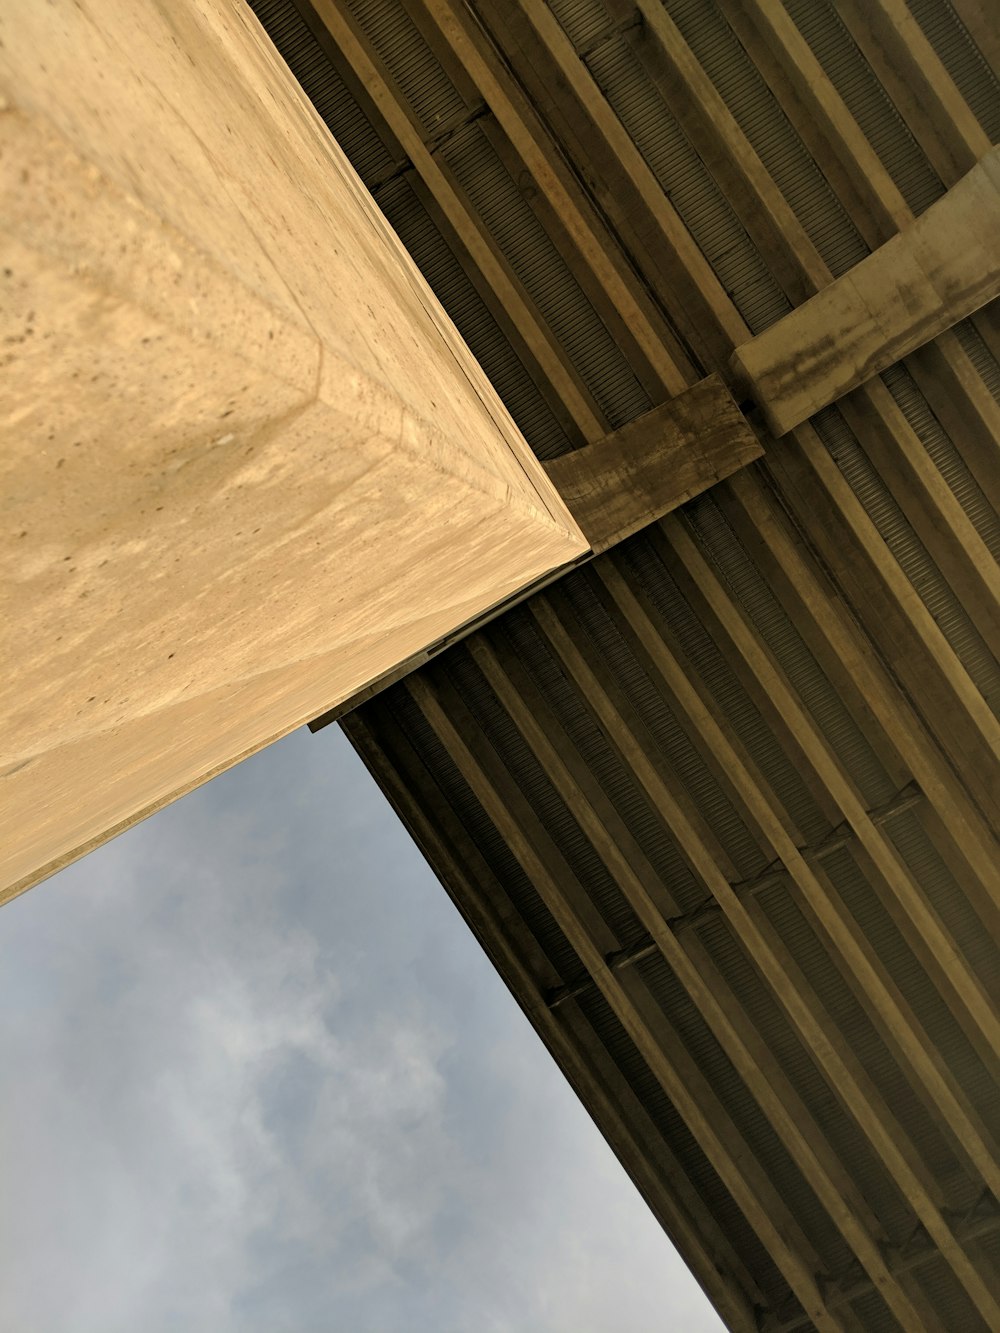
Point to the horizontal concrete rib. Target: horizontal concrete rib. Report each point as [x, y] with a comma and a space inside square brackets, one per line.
[937, 271]
[640, 472]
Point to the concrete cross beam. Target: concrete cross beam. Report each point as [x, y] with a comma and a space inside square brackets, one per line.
[935, 272]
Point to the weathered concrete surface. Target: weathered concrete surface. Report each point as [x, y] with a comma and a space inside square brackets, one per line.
[937, 271]
[247, 463]
[618, 485]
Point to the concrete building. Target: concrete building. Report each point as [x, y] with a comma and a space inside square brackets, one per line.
[720, 800]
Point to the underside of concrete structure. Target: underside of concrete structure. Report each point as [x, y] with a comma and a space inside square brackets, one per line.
[722, 804]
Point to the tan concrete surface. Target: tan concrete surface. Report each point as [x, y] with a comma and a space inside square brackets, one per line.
[247, 464]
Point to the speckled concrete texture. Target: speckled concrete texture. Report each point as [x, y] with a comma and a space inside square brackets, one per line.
[247, 463]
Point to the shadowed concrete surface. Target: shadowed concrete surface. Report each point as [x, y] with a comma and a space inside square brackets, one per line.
[721, 804]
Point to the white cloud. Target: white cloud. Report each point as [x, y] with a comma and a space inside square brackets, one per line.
[258, 1077]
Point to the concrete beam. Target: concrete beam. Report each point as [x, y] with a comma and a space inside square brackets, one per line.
[632, 477]
[940, 269]
[615, 487]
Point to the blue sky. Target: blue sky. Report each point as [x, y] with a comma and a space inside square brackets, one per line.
[258, 1077]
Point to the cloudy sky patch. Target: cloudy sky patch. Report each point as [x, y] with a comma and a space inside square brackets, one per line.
[259, 1077]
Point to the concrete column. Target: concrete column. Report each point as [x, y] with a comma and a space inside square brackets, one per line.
[248, 464]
